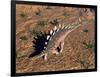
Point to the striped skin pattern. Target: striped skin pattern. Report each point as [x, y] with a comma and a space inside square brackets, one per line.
[55, 40]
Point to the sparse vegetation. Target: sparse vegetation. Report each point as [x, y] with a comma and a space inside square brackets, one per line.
[85, 30]
[43, 23]
[65, 13]
[35, 33]
[54, 21]
[89, 44]
[84, 61]
[18, 54]
[39, 12]
[85, 64]
[23, 38]
[48, 7]
[23, 14]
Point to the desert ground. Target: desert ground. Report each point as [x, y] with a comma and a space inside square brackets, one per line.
[78, 52]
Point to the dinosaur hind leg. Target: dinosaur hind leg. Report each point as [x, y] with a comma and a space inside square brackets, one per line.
[55, 51]
[59, 49]
[45, 57]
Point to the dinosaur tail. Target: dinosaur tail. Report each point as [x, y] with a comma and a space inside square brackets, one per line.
[38, 56]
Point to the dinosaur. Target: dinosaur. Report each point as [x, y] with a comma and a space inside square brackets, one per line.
[55, 40]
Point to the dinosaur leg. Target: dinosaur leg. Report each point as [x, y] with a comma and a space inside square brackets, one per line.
[45, 57]
[61, 46]
[55, 51]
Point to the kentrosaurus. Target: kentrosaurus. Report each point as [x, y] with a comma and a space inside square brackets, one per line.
[55, 40]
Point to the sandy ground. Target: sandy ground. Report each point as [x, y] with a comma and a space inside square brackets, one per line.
[75, 55]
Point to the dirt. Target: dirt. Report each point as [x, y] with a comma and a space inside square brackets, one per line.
[75, 55]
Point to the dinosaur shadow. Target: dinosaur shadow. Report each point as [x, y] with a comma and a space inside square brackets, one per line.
[39, 44]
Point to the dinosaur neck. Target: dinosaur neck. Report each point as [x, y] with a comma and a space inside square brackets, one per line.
[71, 30]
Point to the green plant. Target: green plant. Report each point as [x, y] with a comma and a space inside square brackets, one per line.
[83, 60]
[23, 38]
[38, 12]
[54, 21]
[48, 7]
[89, 44]
[35, 33]
[85, 30]
[85, 64]
[42, 23]
[18, 54]
[65, 13]
[23, 14]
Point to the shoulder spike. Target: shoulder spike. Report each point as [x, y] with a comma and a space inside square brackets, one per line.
[51, 32]
[59, 25]
[55, 28]
[45, 43]
[62, 26]
[45, 48]
[69, 27]
[48, 37]
[66, 27]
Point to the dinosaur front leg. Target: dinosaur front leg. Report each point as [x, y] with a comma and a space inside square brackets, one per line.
[61, 46]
